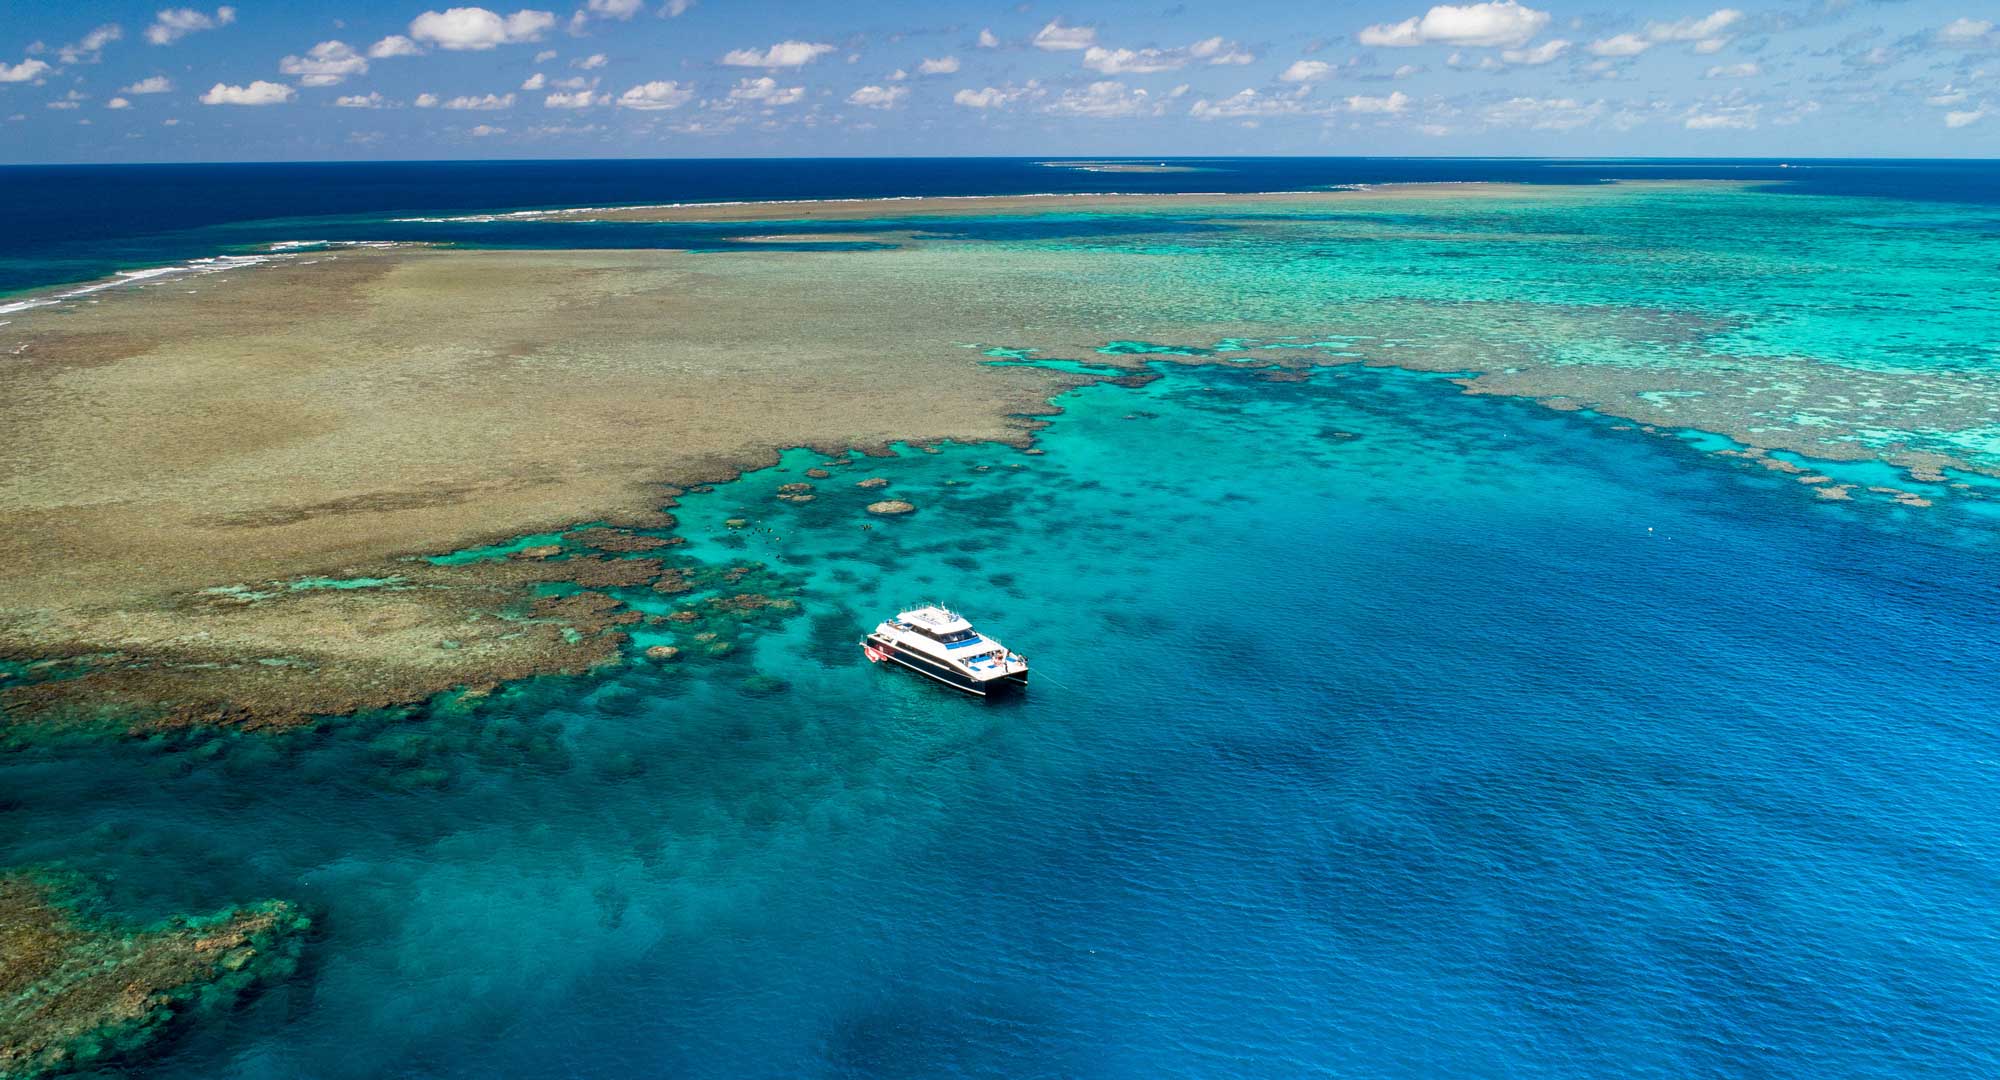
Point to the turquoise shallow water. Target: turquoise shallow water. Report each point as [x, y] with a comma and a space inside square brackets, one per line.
[1380, 731]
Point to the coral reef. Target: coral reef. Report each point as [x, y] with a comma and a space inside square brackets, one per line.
[78, 990]
[621, 541]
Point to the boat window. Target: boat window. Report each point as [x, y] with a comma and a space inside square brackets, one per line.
[957, 635]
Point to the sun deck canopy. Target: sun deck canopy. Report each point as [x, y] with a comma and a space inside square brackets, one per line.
[935, 621]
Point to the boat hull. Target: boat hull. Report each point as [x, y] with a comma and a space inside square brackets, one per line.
[957, 680]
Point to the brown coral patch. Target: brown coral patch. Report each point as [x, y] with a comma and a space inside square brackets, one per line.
[74, 990]
[619, 541]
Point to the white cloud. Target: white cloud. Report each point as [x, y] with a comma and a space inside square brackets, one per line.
[1961, 119]
[591, 62]
[1963, 31]
[156, 84]
[878, 97]
[1396, 102]
[1306, 71]
[1108, 98]
[785, 54]
[1405, 71]
[324, 64]
[475, 28]
[1746, 70]
[483, 130]
[987, 40]
[1620, 45]
[535, 82]
[615, 9]
[1499, 23]
[118, 103]
[577, 99]
[370, 100]
[1251, 105]
[996, 97]
[1217, 51]
[258, 92]
[1795, 111]
[1541, 54]
[394, 45]
[1213, 50]
[1879, 56]
[544, 56]
[91, 48]
[1708, 26]
[656, 95]
[24, 71]
[1130, 61]
[1055, 37]
[674, 9]
[1735, 117]
[427, 101]
[64, 104]
[1949, 95]
[1543, 114]
[943, 65]
[174, 24]
[764, 90]
[989, 97]
[477, 102]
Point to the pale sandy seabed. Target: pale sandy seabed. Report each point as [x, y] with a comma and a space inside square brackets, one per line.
[332, 417]
[1122, 167]
[1103, 202]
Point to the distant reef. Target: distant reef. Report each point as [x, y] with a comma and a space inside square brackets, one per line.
[79, 990]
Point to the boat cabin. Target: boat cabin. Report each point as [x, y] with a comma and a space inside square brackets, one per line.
[939, 625]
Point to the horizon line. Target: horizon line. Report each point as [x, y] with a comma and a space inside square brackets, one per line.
[1771, 159]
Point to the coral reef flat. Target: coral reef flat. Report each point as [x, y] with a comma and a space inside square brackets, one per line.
[1084, 203]
[77, 990]
[324, 418]
[329, 416]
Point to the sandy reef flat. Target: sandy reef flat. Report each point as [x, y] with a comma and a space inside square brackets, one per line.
[325, 418]
[179, 457]
[1113, 202]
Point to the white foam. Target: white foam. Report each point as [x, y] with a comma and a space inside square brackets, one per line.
[211, 265]
[581, 211]
[282, 246]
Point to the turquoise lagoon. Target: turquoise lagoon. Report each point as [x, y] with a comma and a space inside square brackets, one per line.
[1379, 730]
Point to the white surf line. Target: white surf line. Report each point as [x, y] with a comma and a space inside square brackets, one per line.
[214, 265]
[532, 215]
[281, 251]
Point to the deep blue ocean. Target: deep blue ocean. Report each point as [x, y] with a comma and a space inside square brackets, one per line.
[1379, 731]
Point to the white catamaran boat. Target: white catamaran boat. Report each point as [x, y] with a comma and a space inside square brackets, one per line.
[938, 643]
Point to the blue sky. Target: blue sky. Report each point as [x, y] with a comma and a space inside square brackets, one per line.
[662, 78]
